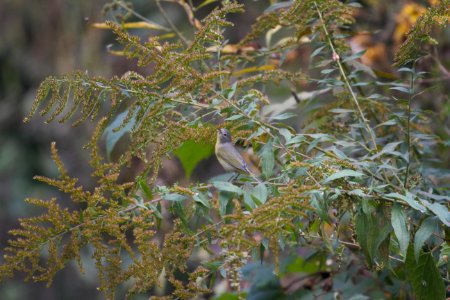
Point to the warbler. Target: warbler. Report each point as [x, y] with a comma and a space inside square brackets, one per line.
[228, 156]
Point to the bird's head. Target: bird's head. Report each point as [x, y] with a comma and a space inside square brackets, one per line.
[223, 136]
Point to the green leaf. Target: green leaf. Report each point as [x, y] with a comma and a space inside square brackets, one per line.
[268, 159]
[145, 188]
[389, 149]
[388, 123]
[359, 297]
[113, 136]
[409, 198]
[286, 134]
[320, 203]
[343, 173]
[284, 116]
[367, 206]
[327, 71]
[316, 52]
[429, 225]
[178, 209]
[248, 200]
[358, 192]
[190, 153]
[398, 220]
[439, 210]
[296, 139]
[229, 296]
[255, 195]
[372, 233]
[264, 284]
[363, 225]
[424, 276]
[234, 117]
[401, 89]
[341, 110]
[362, 67]
[354, 56]
[228, 187]
[202, 199]
[229, 93]
[156, 211]
[224, 202]
[405, 69]
[382, 241]
[174, 197]
[260, 193]
[312, 265]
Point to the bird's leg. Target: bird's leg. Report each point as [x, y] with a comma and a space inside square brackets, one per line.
[230, 179]
[237, 176]
[234, 178]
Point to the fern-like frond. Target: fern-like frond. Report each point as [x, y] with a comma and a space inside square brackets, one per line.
[302, 16]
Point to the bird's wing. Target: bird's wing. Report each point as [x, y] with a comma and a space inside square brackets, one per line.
[232, 157]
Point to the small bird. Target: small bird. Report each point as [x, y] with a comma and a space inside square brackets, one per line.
[228, 156]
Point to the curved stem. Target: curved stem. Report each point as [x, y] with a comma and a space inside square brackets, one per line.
[140, 16]
[344, 76]
[169, 21]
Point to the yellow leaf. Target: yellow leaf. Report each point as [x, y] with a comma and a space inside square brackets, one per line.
[132, 25]
[143, 25]
[100, 25]
[205, 3]
[166, 36]
[117, 53]
[254, 69]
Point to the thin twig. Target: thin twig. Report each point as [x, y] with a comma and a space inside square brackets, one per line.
[189, 9]
[408, 126]
[207, 228]
[169, 21]
[347, 83]
[140, 16]
[344, 243]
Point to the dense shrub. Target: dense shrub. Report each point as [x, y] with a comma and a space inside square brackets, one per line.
[350, 202]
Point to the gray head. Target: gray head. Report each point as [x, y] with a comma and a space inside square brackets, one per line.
[223, 136]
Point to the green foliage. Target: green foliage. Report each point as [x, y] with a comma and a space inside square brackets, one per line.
[398, 220]
[349, 190]
[424, 276]
[191, 153]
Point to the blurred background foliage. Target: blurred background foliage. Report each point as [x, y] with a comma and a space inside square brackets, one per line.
[54, 37]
